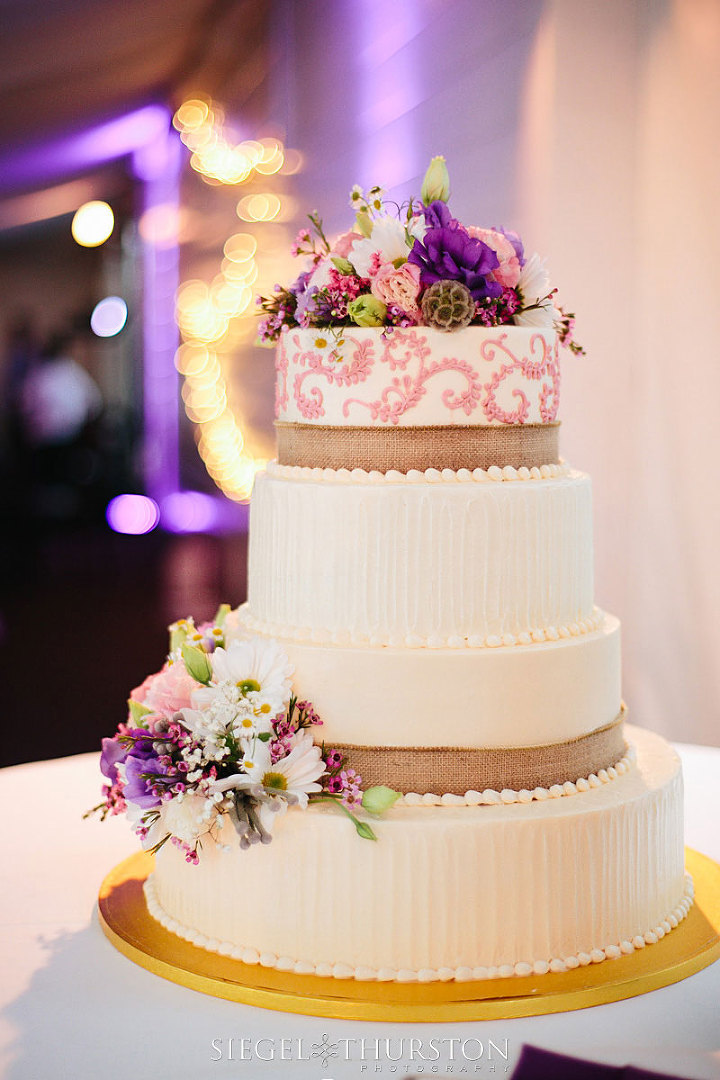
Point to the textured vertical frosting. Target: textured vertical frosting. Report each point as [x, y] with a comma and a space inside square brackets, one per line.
[406, 562]
[447, 891]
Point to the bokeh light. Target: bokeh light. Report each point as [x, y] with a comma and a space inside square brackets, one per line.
[259, 207]
[189, 511]
[109, 316]
[216, 318]
[133, 515]
[93, 224]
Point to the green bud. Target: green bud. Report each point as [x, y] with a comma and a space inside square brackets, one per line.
[342, 265]
[436, 184]
[197, 664]
[367, 310]
[220, 615]
[178, 633]
[363, 222]
[363, 829]
[376, 800]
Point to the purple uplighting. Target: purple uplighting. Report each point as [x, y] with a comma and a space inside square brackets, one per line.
[158, 164]
[77, 153]
[132, 514]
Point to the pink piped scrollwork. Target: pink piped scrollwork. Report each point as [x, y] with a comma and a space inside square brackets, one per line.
[541, 363]
[499, 376]
[335, 373]
[405, 391]
[281, 378]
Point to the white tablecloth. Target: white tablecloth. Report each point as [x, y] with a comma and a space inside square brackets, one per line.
[74, 1007]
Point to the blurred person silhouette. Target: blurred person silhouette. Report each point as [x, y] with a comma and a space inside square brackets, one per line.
[59, 401]
[22, 349]
[58, 396]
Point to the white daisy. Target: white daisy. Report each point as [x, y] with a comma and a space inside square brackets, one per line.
[543, 316]
[252, 677]
[296, 774]
[299, 771]
[387, 240]
[534, 281]
[534, 286]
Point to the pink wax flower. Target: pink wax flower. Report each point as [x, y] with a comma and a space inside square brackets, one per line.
[168, 691]
[399, 286]
[508, 271]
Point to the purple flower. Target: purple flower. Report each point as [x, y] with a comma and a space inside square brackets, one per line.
[335, 785]
[449, 253]
[438, 216]
[138, 790]
[299, 285]
[113, 754]
[143, 743]
[333, 759]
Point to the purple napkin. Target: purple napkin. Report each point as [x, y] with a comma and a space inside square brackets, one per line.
[536, 1064]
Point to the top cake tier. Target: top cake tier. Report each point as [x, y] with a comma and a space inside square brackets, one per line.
[385, 377]
[405, 399]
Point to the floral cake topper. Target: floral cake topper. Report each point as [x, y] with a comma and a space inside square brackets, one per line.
[216, 735]
[414, 265]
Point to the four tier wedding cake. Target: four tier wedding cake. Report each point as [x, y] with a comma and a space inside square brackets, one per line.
[420, 652]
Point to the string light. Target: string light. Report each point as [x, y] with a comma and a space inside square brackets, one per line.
[200, 125]
[208, 314]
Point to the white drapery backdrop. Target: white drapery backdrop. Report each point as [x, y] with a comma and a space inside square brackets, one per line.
[594, 130]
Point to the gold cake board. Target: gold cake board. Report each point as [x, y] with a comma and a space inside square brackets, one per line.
[693, 945]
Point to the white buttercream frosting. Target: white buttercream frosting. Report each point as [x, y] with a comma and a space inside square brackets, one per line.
[430, 563]
[506, 890]
[495, 474]
[446, 694]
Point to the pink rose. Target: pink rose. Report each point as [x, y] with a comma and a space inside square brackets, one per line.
[508, 272]
[344, 243]
[166, 692]
[398, 285]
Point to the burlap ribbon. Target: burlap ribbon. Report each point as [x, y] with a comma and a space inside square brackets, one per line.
[456, 770]
[403, 448]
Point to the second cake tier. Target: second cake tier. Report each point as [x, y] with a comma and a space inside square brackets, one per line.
[493, 557]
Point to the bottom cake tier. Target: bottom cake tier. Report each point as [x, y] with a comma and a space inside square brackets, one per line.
[465, 892]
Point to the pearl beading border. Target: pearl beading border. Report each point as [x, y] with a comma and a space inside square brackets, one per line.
[320, 636]
[424, 975]
[414, 476]
[507, 796]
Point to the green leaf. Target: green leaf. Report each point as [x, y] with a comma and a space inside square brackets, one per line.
[361, 827]
[376, 800]
[363, 222]
[364, 830]
[265, 736]
[137, 711]
[197, 664]
[221, 614]
[343, 265]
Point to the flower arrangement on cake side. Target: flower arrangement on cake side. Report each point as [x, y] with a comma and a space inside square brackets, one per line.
[414, 265]
[217, 733]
